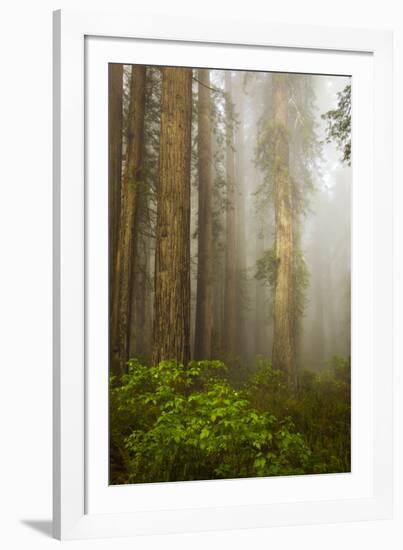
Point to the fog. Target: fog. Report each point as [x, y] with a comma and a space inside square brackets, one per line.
[322, 220]
[243, 138]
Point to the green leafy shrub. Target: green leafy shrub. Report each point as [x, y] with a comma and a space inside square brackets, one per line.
[171, 423]
[325, 415]
[319, 407]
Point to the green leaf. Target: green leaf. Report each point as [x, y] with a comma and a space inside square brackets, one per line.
[204, 433]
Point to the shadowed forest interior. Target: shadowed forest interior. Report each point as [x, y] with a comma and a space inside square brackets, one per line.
[229, 273]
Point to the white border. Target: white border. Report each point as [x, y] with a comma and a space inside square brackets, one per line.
[70, 520]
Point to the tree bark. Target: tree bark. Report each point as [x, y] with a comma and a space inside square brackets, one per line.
[260, 336]
[283, 334]
[171, 331]
[230, 296]
[115, 123]
[204, 298]
[126, 252]
[140, 324]
[242, 333]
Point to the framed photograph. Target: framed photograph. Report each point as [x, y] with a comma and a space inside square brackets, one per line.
[222, 274]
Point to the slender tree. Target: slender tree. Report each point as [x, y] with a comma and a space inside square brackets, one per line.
[204, 299]
[318, 342]
[115, 124]
[171, 329]
[230, 293]
[240, 201]
[283, 334]
[218, 127]
[261, 208]
[122, 301]
[140, 323]
[142, 301]
[304, 152]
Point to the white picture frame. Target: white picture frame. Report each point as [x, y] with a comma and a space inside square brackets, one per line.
[231, 503]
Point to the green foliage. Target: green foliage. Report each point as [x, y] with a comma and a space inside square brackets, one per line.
[266, 271]
[301, 138]
[171, 423]
[267, 158]
[339, 123]
[300, 285]
[305, 146]
[319, 407]
[266, 268]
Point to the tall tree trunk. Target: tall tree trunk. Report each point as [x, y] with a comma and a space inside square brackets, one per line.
[241, 332]
[139, 340]
[260, 336]
[204, 298]
[283, 332]
[230, 297]
[218, 256]
[318, 342]
[171, 330]
[315, 343]
[121, 310]
[115, 124]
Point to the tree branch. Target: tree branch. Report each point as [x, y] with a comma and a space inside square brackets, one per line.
[217, 90]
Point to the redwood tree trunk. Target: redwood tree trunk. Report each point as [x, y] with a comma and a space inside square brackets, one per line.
[230, 296]
[283, 333]
[260, 336]
[115, 122]
[171, 331]
[241, 332]
[126, 252]
[204, 298]
[140, 333]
